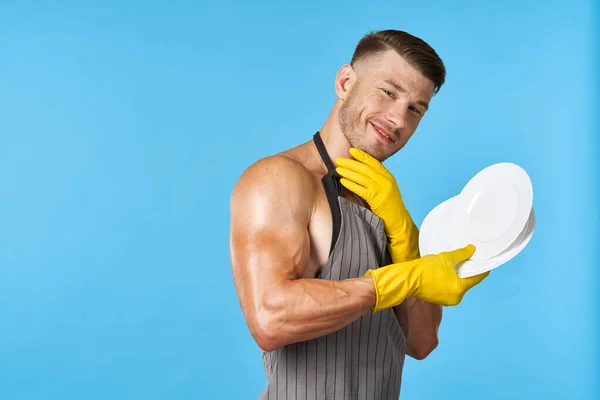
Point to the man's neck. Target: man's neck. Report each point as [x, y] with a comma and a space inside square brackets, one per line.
[333, 138]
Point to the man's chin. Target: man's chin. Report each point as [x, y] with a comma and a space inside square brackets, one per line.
[375, 149]
[377, 152]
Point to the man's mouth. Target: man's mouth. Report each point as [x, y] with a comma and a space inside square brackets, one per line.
[386, 134]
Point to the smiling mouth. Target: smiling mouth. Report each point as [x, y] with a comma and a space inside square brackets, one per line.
[389, 136]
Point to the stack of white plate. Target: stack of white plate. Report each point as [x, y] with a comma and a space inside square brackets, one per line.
[494, 212]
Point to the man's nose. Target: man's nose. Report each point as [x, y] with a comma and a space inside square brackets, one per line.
[397, 116]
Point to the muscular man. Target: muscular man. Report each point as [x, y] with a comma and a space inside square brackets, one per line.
[324, 254]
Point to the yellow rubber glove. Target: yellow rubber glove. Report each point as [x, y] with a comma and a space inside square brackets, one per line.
[369, 179]
[432, 278]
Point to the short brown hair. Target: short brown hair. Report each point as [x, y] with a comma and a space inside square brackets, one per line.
[414, 50]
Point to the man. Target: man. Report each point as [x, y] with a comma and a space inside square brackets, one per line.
[325, 257]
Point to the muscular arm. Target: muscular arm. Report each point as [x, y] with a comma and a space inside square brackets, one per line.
[271, 207]
[420, 322]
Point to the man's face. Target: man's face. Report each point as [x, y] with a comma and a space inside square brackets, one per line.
[388, 98]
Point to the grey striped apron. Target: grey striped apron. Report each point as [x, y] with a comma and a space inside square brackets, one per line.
[363, 360]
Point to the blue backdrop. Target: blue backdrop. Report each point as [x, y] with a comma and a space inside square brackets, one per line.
[124, 126]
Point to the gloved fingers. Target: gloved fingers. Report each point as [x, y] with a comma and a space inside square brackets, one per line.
[354, 176]
[358, 167]
[456, 256]
[355, 188]
[371, 161]
[474, 280]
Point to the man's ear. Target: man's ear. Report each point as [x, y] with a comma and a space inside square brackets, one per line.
[344, 80]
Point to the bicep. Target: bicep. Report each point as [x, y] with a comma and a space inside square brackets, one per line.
[269, 236]
[263, 257]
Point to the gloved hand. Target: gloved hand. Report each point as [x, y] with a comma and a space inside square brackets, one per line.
[369, 179]
[432, 278]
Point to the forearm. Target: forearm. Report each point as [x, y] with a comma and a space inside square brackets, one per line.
[420, 321]
[304, 309]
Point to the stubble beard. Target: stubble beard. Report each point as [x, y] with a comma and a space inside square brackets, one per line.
[350, 122]
[353, 129]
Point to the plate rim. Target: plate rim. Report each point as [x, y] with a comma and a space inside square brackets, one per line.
[511, 175]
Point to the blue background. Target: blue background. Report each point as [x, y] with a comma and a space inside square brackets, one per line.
[124, 126]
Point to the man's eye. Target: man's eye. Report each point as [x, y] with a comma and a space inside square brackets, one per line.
[388, 93]
[414, 109]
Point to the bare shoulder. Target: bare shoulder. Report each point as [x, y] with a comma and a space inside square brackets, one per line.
[271, 208]
[279, 216]
[274, 179]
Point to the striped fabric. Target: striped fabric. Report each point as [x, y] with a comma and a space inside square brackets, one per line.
[364, 360]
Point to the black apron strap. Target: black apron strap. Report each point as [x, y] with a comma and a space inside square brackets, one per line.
[323, 152]
[333, 189]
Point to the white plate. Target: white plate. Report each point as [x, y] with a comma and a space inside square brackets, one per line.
[492, 209]
[475, 267]
[436, 236]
